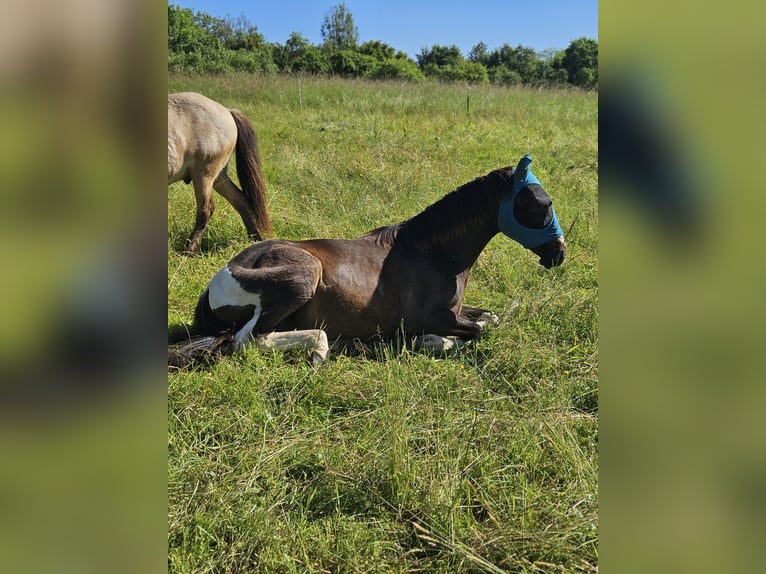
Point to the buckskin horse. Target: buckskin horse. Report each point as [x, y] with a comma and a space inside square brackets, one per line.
[202, 135]
[403, 278]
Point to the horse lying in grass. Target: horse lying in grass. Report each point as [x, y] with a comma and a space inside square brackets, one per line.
[202, 135]
[408, 277]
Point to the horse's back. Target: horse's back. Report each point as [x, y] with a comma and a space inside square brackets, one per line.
[201, 132]
[357, 296]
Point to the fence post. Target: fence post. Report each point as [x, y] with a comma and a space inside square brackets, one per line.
[468, 101]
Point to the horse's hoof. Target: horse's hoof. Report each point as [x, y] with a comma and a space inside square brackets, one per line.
[321, 349]
[437, 344]
[487, 318]
[190, 250]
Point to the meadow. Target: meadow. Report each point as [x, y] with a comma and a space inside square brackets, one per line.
[485, 461]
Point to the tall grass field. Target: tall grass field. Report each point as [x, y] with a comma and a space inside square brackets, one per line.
[393, 461]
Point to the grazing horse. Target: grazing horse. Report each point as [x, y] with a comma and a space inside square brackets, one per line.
[202, 135]
[408, 277]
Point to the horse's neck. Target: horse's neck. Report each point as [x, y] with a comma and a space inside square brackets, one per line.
[458, 253]
[452, 232]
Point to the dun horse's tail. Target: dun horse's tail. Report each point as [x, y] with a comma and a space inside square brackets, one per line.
[206, 339]
[249, 172]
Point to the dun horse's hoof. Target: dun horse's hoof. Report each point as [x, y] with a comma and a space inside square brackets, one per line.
[191, 248]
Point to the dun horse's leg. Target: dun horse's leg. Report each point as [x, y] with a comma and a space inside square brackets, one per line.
[236, 197]
[203, 192]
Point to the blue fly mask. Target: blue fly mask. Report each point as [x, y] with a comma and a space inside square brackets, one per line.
[506, 219]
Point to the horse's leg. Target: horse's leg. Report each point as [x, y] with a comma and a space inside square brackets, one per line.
[203, 192]
[263, 321]
[436, 343]
[482, 317]
[235, 196]
[312, 340]
[448, 324]
[456, 329]
[285, 280]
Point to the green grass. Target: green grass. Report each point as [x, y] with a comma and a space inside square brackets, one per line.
[395, 462]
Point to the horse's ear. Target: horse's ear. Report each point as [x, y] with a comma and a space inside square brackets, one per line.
[522, 168]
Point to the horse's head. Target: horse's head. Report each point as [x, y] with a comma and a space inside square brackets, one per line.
[527, 216]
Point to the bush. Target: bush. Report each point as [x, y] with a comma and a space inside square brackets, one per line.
[462, 71]
[396, 69]
[251, 62]
[502, 76]
[310, 60]
[350, 63]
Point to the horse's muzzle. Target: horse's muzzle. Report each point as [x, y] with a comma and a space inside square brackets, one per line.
[552, 253]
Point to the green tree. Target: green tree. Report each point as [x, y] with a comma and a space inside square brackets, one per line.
[479, 53]
[397, 69]
[248, 49]
[351, 63]
[521, 59]
[548, 74]
[580, 60]
[338, 29]
[298, 55]
[378, 50]
[471, 72]
[503, 76]
[192, 45]
[242, 35]
[438, 57]
[198, 42]
[548, 68]
[448, 64]
[382, 61]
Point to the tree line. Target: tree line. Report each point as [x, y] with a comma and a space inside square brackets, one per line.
[200, 43]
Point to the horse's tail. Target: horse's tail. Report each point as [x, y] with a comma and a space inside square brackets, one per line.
[207, 338]
[198, 350]
[249, 172]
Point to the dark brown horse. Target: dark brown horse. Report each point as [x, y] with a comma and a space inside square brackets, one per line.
[202, 135]
[408, 277]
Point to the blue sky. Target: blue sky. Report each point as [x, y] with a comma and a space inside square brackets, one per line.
[410, 25]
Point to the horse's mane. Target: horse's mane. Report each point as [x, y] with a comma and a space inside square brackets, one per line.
[385, 235]
[451, 215]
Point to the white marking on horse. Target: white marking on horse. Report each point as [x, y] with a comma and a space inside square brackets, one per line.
[225, 290]
[242, 337]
